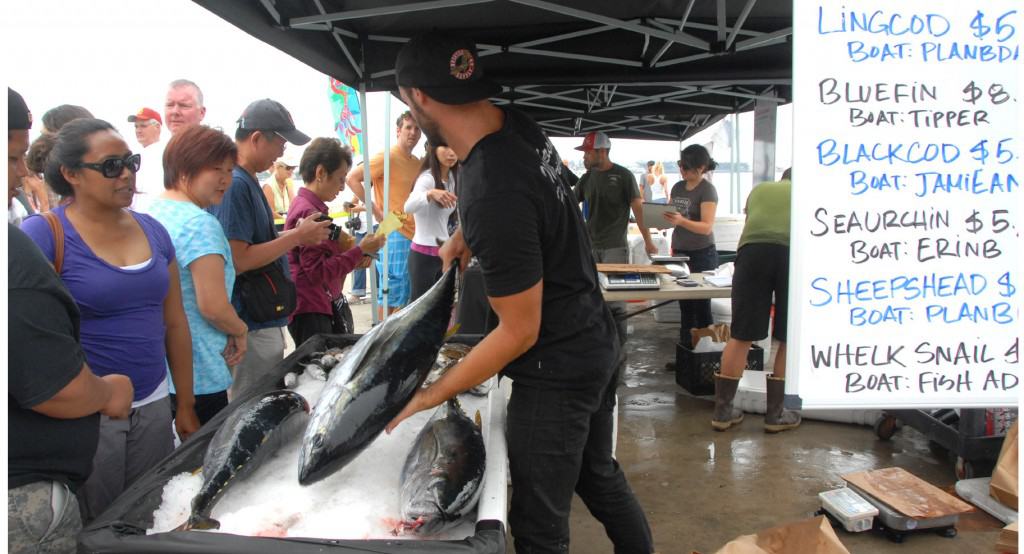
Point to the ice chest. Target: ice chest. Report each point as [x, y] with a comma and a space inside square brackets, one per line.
[122, 527]
[695, 371]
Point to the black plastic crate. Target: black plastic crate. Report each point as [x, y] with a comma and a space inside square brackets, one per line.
[695, 371]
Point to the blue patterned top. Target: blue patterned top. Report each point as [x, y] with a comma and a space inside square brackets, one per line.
[195, 233]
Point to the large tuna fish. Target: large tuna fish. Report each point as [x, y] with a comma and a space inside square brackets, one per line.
[247, 437]
[443, 472]
[374, 381]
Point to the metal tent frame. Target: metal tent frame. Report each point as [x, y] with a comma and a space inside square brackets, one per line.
[654, 69]
[643, 69]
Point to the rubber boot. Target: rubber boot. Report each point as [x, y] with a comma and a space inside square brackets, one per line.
[725, 415]
[775, 418]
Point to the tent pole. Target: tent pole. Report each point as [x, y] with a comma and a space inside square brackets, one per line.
[386, 207]
[368, 194]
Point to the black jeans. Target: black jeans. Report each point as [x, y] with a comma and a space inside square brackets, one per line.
[305, 326]
[207, 405]
[559, 442]
[424, 271]
[696, 314]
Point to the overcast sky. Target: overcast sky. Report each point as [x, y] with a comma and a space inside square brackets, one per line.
[115, 56]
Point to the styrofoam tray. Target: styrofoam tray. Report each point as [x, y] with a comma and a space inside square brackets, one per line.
[976, 492]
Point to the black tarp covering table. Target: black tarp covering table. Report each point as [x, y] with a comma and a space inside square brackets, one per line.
[122, 527]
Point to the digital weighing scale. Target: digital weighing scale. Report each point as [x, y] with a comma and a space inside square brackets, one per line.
[628, 281]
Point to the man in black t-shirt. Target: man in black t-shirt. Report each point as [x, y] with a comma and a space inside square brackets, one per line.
[54, 400]
[555, 338]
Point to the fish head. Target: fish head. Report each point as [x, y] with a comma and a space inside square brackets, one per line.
[312, 456]
[423, 519]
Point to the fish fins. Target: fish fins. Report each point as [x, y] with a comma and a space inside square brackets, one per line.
[476, 419]
[452, 331]
[199, 522]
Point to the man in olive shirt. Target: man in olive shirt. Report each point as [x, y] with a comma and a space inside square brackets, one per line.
[761, 275]
[609, 191]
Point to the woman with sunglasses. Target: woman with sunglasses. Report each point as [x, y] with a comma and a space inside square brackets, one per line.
[696, 200]
[197, 171]
[119, 266]
[432, 201]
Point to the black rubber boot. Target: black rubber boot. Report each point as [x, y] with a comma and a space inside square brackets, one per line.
[775, 418]
[725, 415]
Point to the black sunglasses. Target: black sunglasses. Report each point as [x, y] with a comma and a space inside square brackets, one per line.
[113, 168]
[685, 167]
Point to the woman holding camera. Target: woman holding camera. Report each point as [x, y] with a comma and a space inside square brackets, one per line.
[432, 201]
[319, 270]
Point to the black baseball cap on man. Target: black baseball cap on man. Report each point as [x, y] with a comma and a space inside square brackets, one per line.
[446, 67]
[18, 116]
[270, 115]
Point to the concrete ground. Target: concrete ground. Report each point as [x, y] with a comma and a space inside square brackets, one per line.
[701, 489]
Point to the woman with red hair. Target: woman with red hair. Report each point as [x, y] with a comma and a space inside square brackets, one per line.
[197, 171]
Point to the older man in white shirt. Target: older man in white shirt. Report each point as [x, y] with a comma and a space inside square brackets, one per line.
[183, 107]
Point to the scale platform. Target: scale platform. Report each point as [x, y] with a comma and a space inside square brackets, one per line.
[629, 281]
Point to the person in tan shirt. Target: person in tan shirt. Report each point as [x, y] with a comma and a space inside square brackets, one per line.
[404, 168]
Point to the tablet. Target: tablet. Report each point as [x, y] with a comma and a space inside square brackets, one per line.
[653, 215]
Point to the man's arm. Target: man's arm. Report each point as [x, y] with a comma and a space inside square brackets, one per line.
[44, 354]
[247, 256]
[87, 394]
[354, 181]
[376, 172]
[517, 332]
[638, 213]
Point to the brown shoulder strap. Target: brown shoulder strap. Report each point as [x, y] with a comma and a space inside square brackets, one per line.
[58, 240]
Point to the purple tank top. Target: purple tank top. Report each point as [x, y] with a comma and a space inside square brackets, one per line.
[122, 310]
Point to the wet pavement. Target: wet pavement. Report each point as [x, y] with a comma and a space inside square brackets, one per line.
[700, 489]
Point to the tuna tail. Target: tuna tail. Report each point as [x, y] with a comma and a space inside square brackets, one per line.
[455, 405]
[199, 522]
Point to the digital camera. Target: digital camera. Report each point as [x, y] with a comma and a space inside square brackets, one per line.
[333, 230]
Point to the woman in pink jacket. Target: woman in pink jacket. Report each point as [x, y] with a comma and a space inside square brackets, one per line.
[319, 270]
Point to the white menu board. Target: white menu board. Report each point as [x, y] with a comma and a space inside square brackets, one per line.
[905, 273]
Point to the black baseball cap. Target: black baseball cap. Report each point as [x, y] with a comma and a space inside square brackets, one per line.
[18, 116]
[270, 115]
[446, 67]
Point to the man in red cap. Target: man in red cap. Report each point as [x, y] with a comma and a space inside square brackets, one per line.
[147, 126]
[610, 191]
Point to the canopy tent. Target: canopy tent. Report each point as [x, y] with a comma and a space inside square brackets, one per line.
[654, 69]
[645, 69]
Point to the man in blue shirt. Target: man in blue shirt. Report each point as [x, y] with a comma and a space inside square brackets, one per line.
[263, 130]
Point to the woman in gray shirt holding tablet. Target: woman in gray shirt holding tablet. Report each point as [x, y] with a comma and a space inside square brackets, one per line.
[696, 200]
